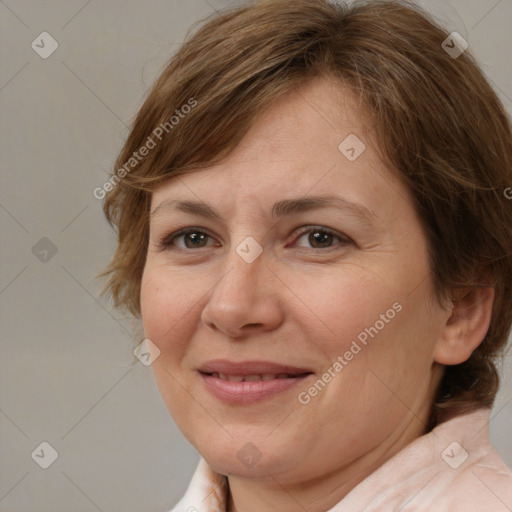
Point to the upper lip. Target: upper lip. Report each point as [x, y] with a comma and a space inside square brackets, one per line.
[250, 368]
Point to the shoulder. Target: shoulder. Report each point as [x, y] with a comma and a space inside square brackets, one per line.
[468, 473]
[483, 482]
[453, 468]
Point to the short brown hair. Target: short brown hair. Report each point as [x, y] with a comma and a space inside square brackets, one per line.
[438, 123]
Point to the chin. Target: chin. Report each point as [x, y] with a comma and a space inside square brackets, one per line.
[242, 457]
[247, 466]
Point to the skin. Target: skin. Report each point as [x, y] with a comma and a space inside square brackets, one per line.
[302, 304]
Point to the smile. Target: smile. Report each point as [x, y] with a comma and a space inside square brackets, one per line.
[251, 378]
[249, 382]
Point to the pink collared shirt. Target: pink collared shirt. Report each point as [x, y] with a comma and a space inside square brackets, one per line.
[453, 468]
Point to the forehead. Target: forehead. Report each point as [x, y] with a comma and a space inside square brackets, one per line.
[317, 113]
[292, 150]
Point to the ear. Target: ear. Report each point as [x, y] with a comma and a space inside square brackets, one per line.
[466, 326]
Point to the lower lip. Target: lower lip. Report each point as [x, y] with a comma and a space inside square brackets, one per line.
[248, 392]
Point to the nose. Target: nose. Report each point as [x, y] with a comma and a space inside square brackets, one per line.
[245, 300]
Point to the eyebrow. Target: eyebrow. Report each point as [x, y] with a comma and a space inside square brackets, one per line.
[280, 209]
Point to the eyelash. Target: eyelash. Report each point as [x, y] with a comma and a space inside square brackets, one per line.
[167, 241]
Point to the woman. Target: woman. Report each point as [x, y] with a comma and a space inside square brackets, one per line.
[313, 229]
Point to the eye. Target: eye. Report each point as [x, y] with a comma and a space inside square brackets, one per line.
[312, 237]
[320, 238]
[190, 238]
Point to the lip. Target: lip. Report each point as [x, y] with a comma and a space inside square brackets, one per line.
[250, 368]
[234, 392]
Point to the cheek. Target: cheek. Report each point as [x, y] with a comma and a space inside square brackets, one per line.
[165, 306]
[383, 374]
[374, 322]
[166, 302]
[343, 304]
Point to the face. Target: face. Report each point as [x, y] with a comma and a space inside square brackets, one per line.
[289, 293]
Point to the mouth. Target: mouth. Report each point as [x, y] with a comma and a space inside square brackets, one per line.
[255, 377]
[250, 381]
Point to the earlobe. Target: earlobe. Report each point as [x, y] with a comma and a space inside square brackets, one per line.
[466, 326]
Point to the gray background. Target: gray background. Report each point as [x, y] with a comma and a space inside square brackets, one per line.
[65, 365]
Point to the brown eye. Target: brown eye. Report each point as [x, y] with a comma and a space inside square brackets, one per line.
[194, 240]
[187, 239]
[320, 238]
